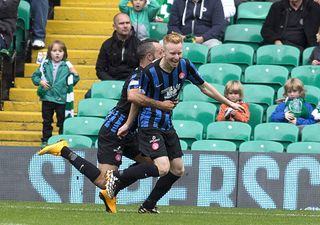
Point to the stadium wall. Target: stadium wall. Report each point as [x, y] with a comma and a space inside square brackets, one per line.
[217, 179]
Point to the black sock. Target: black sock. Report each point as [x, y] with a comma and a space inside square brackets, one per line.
[163, 185]
[84, 167]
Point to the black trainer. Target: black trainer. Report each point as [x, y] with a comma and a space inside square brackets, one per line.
[145, 210]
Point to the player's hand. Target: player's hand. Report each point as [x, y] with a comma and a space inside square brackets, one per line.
[123, 131]
[289, 116]
[44, 84]
[237, 107]
[167, 105]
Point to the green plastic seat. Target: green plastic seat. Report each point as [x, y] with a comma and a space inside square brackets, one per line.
[283, 55]
[272, 75]
[269, 112]
[158, 30]
[259, 94]
[239, 54]
[312, 94]
[22, 27]
[214, 145]
[220, 73]
[202, 112]
[256, 114]
[244, 34]
[189, 131]
[311, 133]
[304, 147]
[261, 146]
[285, 133]
[306, 55]
[253, 12]
[110, 89]
[236, 132]
[308, 74]
[95, 107]
[88, 126]
[184, 145]
[192, 93]
[196, 53]
[74, 141]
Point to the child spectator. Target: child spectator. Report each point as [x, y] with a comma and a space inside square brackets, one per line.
[55, 78]
[294, 109]
[316, 113]
[315, 55]
[140, 15]
[234, 92]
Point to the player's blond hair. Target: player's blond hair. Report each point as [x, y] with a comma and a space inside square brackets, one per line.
[173, 38]
[294, 84]
[234, 86]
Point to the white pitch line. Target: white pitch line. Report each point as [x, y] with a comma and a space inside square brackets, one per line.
[166, 211]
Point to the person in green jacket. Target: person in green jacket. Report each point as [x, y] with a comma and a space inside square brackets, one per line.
[55, 77]
[140, 15]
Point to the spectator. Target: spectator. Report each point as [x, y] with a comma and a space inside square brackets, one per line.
[8, 19]
[165, 10]
[316, 113]
[39, 17]
[202, 20]
[229, 9]
[52, 77]
[234, 92]
[294, 109]
[140, 15]
[292, 22]
[315, 54]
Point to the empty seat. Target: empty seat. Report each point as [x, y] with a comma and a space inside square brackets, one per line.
[311, 133]
[309, 74]
[192, 93]
[96, 107]
[259, 94]
[184, 145]
[158, 30]
[306, 55]
[214, 145]
[107, 89]
[304, 147]
[189, 131]
[256, 114]
[253, 12]
[261, 146]
[196, 53]
[269, 112]
[74, 141]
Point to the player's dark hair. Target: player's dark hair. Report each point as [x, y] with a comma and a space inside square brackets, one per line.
[145, 47]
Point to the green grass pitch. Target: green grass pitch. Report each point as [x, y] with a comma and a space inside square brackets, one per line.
[39, 213]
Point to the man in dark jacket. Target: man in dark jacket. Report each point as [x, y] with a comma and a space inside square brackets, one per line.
[117, 57]
[292, 22]
[8, 18]
[201, 19]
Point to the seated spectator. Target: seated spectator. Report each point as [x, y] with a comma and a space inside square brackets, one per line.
[8, 19]
[234, 92]
[39, 17]
[292, 22]
[140, 15]
[316, 113]
[200, 21]
[315, 54]
[293, 108]
[165, 10]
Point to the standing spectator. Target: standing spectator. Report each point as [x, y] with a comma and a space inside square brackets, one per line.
[315, 54]
[140, 15]
[52, 77]
[292, 22]
[8, 19]
[39, 17]
[202, 20]
[165, 10]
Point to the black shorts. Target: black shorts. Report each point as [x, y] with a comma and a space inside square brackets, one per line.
[111, 148]
[156, 143]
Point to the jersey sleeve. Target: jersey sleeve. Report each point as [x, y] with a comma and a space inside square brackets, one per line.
[193, 74]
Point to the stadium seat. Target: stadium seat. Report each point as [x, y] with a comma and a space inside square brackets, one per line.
[88, 126]
[311, 133]
[304, 147]
[259, 94]
[306, 55]
[236, 132]
[239, 54]
[95, 107]
[214, 145]
[188, 131]
[243, 34]
[283, 55]
[22, 27]
[308, 74]
[203, 112]
[158, 30]
[74, 141]
[253, 12]
[256, 114]
[269, 112]
[261, 146]
[110, 89]
[312, 94]
[196, 53]
[284, 133]
[220, 73]
[192, 93]
[272, 75]
[184, 145]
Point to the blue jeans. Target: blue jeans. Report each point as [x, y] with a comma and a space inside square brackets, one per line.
[39, 16]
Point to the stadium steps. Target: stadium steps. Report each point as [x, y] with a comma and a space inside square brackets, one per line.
[83, 26]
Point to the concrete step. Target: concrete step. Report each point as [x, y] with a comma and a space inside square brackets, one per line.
[76, 57]
[27, 117]
[86, 72]
[91, 3]
[77, 42]
[85, 13]
[23, 126]
[30, 95]
[21, 135]
[25, 82]
[21, 143]
[79, 27]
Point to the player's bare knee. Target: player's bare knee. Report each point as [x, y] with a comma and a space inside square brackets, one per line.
[100, 181]
[178, 170]
[163, 169]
